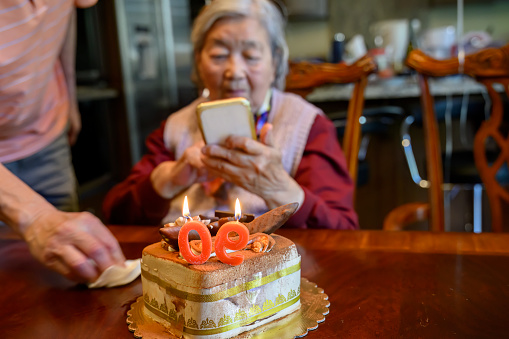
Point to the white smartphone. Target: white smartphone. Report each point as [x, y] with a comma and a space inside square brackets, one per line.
[219, 119]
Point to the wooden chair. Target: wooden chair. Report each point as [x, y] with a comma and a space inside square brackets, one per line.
[304, 77]
[488, 67]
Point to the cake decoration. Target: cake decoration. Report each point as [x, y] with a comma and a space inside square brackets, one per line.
[267, 223]
[222, 241]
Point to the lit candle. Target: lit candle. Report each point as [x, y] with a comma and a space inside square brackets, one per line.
[237, 210]
[185, 210]
[223, 242]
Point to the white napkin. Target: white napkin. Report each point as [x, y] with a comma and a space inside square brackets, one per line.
[118, 275]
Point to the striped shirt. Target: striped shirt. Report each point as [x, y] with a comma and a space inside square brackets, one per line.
[34, 103]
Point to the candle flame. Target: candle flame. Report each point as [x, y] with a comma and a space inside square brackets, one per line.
[237, 210]
[185, 209]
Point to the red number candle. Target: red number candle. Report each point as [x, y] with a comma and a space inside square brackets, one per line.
[206, 242]
[223, 241]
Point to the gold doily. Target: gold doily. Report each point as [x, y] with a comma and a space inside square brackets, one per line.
[314, 308]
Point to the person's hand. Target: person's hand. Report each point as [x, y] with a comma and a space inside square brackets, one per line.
[74, 124]
[254, 166]
[85, 3]
[76, 245]
[171, 177]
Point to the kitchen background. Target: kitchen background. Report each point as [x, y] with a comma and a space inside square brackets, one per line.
[134, 62]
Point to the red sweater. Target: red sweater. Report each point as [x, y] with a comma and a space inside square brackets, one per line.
[322, 174]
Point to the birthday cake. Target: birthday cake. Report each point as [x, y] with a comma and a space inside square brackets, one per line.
[218, 300]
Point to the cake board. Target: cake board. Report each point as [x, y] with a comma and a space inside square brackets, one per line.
[314, 308]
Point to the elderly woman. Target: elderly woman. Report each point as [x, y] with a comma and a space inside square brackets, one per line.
[240, 51]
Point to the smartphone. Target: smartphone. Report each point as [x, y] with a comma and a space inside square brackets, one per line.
[219, 119]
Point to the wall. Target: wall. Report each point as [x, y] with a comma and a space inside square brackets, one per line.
[355, 17]
[308, 39]
[477, 17]
[313, 39]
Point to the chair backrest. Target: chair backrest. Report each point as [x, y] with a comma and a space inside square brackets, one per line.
[489, 66]
[304, 77]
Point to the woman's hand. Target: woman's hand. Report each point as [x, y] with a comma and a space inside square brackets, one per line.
[171, 177]
[76, 245]
[254, 166]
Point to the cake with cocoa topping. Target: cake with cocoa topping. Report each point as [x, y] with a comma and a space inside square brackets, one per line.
[217, 300]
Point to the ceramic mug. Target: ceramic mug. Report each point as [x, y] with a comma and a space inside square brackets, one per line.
[395, 37]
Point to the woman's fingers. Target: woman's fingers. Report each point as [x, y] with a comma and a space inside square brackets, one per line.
[111, 243]
[77, 266]
[219, 167]
[243, 144]
[217, 154]
[72, 263]
[192, 156]
[266, 136]
[240, 151]
[98, 244]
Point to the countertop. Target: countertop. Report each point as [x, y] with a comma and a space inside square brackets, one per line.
[397, 87]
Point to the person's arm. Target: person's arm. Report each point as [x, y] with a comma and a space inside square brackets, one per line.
[76, 245]
[328, 188]
[68, 62]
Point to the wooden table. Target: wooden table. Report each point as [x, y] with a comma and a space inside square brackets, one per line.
[380, 284]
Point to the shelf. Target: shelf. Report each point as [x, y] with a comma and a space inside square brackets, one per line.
[90, 93]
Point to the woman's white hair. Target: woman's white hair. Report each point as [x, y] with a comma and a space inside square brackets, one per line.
[264, 11]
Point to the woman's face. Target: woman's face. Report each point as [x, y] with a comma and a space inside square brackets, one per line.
[236, 61]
